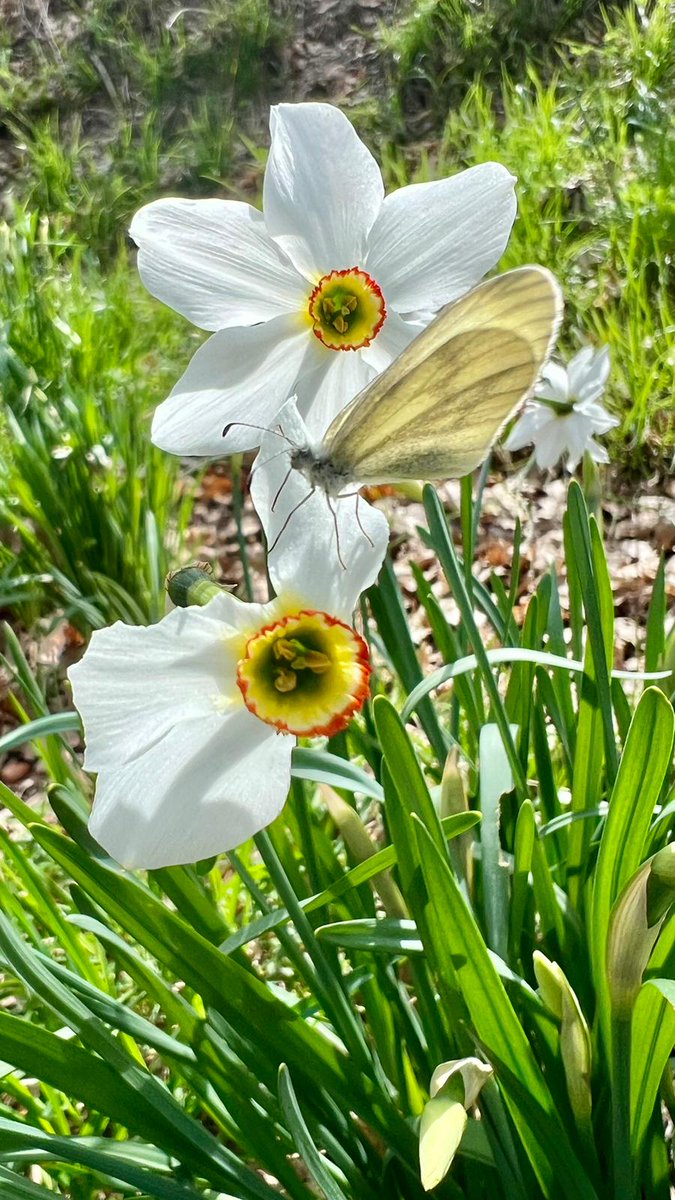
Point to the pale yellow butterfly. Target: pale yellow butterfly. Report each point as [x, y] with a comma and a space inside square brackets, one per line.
[435, 412]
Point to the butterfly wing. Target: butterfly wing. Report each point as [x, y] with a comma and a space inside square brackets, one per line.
[436, 410]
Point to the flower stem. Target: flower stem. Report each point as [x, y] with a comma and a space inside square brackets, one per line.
[621, 1057]
[238, 507]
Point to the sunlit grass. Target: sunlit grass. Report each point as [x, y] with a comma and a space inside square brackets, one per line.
[96, 513]
[589, 133]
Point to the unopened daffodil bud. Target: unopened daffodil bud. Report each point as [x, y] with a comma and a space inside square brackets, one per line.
[575, 1038]
[193, 584]
[635, 924]
[454, 1088]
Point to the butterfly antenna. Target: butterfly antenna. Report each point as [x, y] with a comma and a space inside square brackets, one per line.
[257, 464]
[261, 429]
[333, 509]
[291, 514]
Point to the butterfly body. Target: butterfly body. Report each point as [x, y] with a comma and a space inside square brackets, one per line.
[321, 470]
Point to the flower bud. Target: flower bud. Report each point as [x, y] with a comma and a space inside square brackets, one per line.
[192, 585]
[635, 924]
[575, 1038]
[361, 846]
[454, 1088]
[454, 800]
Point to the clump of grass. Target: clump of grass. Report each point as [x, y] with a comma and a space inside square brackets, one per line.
[138, 101]
[92, 509]
[442, 45]
[593, 149]
[492, 881]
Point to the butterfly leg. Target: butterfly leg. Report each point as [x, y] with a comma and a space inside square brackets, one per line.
[358, 522]
[291, 514]
[346, 496]
[280, 489]
[333, 509]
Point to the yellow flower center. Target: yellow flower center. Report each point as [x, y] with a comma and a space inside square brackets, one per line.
[306, 674]
[347, 309]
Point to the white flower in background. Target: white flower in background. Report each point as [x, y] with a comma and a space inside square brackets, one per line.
[330, 266]
[191, 723]
[565, 412]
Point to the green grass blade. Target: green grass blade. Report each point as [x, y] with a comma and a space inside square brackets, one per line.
[316, 1164]
[18, 1136]
[440, 536]
[392, 623]
[653, 1036]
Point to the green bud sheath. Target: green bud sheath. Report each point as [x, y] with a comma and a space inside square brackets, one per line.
[192, 585]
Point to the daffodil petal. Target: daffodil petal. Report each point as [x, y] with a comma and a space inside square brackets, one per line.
[135, 681]
[549, 444]
[329, 380]
[206, 786]
[591, 383]
[214, 262]
[598, 453]
[576, 432]
[432, 242]
[394, 336]
[322, 190]
[301, 529]
[238, 375]
[527, 427]
[553, 383]
[578, 368]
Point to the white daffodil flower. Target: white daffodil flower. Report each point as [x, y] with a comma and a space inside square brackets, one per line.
[317, 294]
[190, 723]
[565, 412]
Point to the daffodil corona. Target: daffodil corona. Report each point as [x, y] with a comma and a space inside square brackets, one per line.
[347, 310]
[306, 674]
[317, 294]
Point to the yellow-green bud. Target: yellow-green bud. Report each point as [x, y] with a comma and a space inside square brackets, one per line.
[575, 1038]
[192, 585]
[635, 924]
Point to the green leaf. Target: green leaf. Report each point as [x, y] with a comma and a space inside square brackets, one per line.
[525, 835]
[164, 1122]
[15, 1187]
[392, 623]
[656, 621]
[645, 760]
[587, 567]
[438, 531]
[453, 826]
[405, 769]
[496, 780]
[317, 1165]
[54, 723]
[456, 944]
[232, 990]
[322, 767]
[653, 1036]
[16, 1136]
